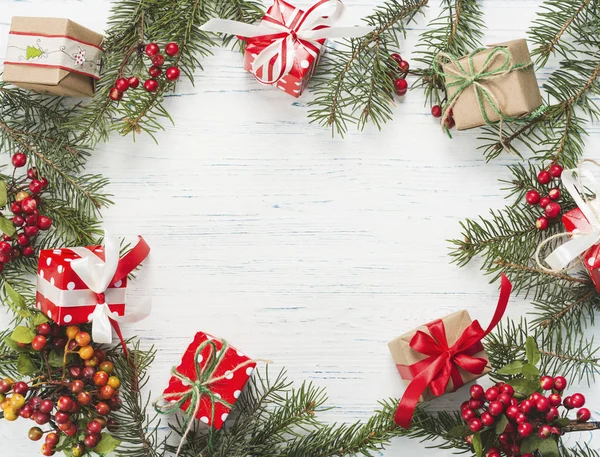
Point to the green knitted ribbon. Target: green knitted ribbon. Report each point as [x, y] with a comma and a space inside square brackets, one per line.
[462, 77]
[199, 388]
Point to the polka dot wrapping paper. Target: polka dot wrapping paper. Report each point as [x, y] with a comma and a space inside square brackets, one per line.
[307, 54]
[575, 222]
[63, 296]
[228, 389]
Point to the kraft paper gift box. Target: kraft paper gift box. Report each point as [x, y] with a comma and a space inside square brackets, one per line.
[404, 356]
[517, 92]
[52, 55]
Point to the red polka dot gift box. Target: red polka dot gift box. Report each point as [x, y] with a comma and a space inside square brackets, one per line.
[208, 381]
[75, 284]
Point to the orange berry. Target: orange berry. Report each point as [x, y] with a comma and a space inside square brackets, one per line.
[106, 392]
[72, 331]
[83, 338]
[86, 352]
[107, 367]
[114, 382]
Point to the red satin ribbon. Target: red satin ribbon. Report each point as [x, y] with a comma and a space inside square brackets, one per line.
[443, 362]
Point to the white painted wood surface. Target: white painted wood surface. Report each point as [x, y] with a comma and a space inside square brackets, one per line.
[309, 251]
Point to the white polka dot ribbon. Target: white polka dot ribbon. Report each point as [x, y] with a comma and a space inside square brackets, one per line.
[573, 181]
[303, 28]
[97, 275]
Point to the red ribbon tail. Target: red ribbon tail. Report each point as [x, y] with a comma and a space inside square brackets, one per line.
[117, 328]
[132, 259]
[505, 290]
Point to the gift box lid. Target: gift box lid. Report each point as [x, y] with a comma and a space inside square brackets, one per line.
[43, 78]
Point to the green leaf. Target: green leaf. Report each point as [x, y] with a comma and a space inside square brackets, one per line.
[477, 446]
[16, 301]
[547, 447]
[515, 367]
[531, 351]
[14, 346]
[2, 193]
[39, 318]
[501, 424]
[562, 422]
[530, 371]
[22, 335]
[524, 387]
[55, 358]
[7, 226]
[25, 365]
[459, 431]
[107, 444]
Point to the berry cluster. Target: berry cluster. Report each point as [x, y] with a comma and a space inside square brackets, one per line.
[537, 413]
[436, 111]
[152, 84]
[26, 217]
[76, 404]
[400, 83]
[549, 201]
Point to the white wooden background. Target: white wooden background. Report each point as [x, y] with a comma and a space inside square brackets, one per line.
[309, 251]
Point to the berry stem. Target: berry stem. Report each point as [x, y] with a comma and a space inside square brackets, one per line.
[575, 426]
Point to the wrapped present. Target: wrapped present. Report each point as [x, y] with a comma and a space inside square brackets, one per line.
[489, 85]
[582, 225]
[208, 381]
[53, 55]
[285, 48]
[87, 284]
[442, 356]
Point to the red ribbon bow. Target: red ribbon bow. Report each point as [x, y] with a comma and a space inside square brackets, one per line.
[444, 361]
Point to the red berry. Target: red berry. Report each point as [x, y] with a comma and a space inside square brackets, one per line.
[475, 424]
[5, 247]
[61, 417]
[44, 222]
[31, 231]
[554, 193]
[158, 60]
[44, 182]
[492, 393]
[547, 382]
[38, 343]
[560, 383]
[504, 438]
[133, 82]
[520, 418]
[544, 431]
[449, 122]
[91, 441]
[152, 49]
[487, 419]
[29, 205]
[578, 400]
[94, 427]
[154, 71]
[102, 408]
[535, 397]
[397, 57]
[493, 452]
[525, 429]
[15, 208]
[84, 398]
[172, 49]
[532, 197]
[541, 223]
[47, 450]
[101, 378]
[512, 411]
[495, 408]
[401, 86]
[436, 111]
[151, 85]
[77, 386]
[464, 405]
[552, 414]
[476, 391]
[552, 210]
[507, 389]
[32, 173]
[545, 201]
[18, 220]
[71, 431]
[468, 414]
[23, 240]
[505, 399]
[404, 66]
[35, 186]
[65, 403]
[555, 170]
[115, 94]
[31, 219]
[65, 426]
[19, 160]
[555, 399]
[583, 415]
[172, 73]
[41, 418]
[26, 412]
[122, 84]
[544, 177]
[476, 404]
[20, 388]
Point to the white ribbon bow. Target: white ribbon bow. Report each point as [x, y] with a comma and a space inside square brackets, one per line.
[97, 275]
[277, 59]
[580, 242]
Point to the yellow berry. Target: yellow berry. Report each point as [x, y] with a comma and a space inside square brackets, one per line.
[114, 382]
[10, 414]
[2, 397]
[22, 195]
[86, 352]
[72, 331]
[17, 401]
[5, 404]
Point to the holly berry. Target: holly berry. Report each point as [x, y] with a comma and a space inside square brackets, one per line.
[555, 170]
[578, 400]
[397, 57]
[507, 389]
[101, 378]
[525, 429]
[20, 388]
[94, 427]
[102, 408]
[555, 399]
[520, 418]
[544, 431]
[493, 452]
[46, 406]
[401, 86]
[151, 85]
[106, 392]
[560, 383]
[468, 414]
[492, 394]
[91, 441]
[552, 414]
[542, 405]
[84, 398]
[541, 223]
[41, 418]
[39, 341]
[532, 197]
[487, 419]
[172, 73]
[122, 84]
[545, 201]
[47, 450]
[44, 222]
[115, 94]
[32, 173]
[26, 412]
[546, 382]
[154, 71]
[495, 408]
[35, 186]
[133, 82]
[554, 193]
[552, 210]
[436, 111]
[152, 49]
[476, 391]
[158, 60]
[475, 424]
[19, 160]
[172, 49]
[544, 177]
[449, 122]
[404, 66]
[583, 415]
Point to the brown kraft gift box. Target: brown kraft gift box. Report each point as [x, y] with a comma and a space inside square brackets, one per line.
[517, 92]
[404, 355]
[34, 73]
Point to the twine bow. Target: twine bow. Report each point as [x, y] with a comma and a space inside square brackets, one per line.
[199, 388]
[444, 360]
[463, 77]
[562, 257]
[281, 34]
